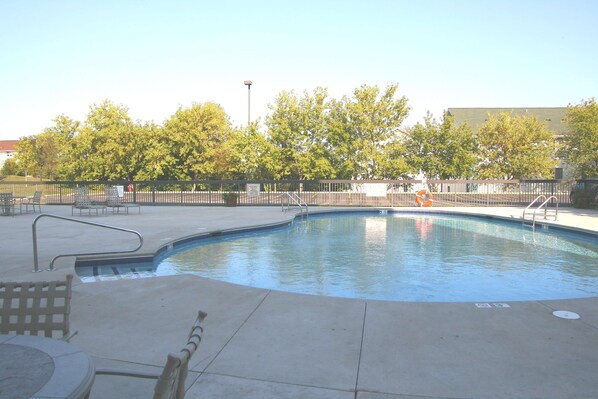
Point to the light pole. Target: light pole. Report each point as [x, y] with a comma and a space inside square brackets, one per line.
[248, 84]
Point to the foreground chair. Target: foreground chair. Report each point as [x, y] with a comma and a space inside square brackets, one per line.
[32, 201]
[171, 382]
[83, 202]
[114, 201]
[31, 308]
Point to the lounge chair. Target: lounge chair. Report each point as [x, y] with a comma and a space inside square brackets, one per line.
[32, 308]
[114, 201]
[31, 201]
[82, 202]
[170, 383]
[7, 204]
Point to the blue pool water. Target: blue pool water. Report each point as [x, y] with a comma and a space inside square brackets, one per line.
[399, 257]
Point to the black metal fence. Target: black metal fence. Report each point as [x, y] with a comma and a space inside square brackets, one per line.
[389, 193]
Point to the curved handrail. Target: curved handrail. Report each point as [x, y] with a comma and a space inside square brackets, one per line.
[296, 199]
[34, 231]
[532, 203]
[544, 205]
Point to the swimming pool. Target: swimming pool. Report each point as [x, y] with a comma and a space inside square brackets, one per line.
[399, 257]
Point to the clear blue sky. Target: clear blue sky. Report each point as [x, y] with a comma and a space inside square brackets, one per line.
[61, 57]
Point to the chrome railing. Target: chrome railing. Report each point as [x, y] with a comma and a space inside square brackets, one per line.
[295, 199]
[34, 231]
[543, 205]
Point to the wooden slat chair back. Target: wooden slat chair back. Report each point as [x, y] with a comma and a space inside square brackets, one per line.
[170, 383]
[35, 308]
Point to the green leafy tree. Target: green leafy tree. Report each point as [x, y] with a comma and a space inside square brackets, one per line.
[10, 167]
[195, 140]
[581, 141]
[365, 133]
[157, 161]
[442, 150]
[28, 155]
[44, 155]
[298, 128]
[249, 155]
[110, 145]
[515, 147]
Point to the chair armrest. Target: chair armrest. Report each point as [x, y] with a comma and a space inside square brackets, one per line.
[67, 338]
[128, 373]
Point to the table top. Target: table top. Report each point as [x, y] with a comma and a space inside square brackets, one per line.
[38, 367]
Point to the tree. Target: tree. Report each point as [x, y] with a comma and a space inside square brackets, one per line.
[194, 139]
[10, 167]
[442, 150]
[109, 145]
[581, 140]
[298, 128]
[249, 155]
[364, 129]
[157, 161]
[43, 155]
[515, 147]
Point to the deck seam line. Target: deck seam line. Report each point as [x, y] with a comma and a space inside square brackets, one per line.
[365, 311]
[236, 332]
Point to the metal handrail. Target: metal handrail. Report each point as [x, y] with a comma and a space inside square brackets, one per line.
[544, 205]
[34, 231]
[296, 199]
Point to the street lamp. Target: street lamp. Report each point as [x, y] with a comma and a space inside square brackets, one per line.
[248, 84]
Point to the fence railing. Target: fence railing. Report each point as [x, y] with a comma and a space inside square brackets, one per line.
[393, 193]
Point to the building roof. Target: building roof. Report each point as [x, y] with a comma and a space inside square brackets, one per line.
[475, 117]
[8, 145]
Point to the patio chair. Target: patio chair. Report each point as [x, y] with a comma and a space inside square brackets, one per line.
[7, 204]
[170, 383]
[32, 201]
[33, 308]
[82, 202]
[114, 201]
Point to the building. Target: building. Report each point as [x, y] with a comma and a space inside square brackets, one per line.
[8, 149]
[554, 118]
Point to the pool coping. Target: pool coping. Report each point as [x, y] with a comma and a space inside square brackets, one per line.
[84, 261]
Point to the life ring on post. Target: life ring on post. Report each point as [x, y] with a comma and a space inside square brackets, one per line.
[424, 198]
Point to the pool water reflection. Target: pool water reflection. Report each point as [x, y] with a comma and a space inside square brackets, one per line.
[400, 257]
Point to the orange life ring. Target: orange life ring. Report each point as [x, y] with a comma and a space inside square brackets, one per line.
[424, 198]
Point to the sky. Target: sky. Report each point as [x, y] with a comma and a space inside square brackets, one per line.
[62, 57]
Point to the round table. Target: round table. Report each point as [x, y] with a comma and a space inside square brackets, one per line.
[38, 367]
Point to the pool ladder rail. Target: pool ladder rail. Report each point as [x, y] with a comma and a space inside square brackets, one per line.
[529, 213]
[34, 232]
[291, 198]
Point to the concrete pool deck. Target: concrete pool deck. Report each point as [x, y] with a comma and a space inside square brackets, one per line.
[269, 344]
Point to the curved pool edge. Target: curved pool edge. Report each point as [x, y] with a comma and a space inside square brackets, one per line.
[292, 216]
